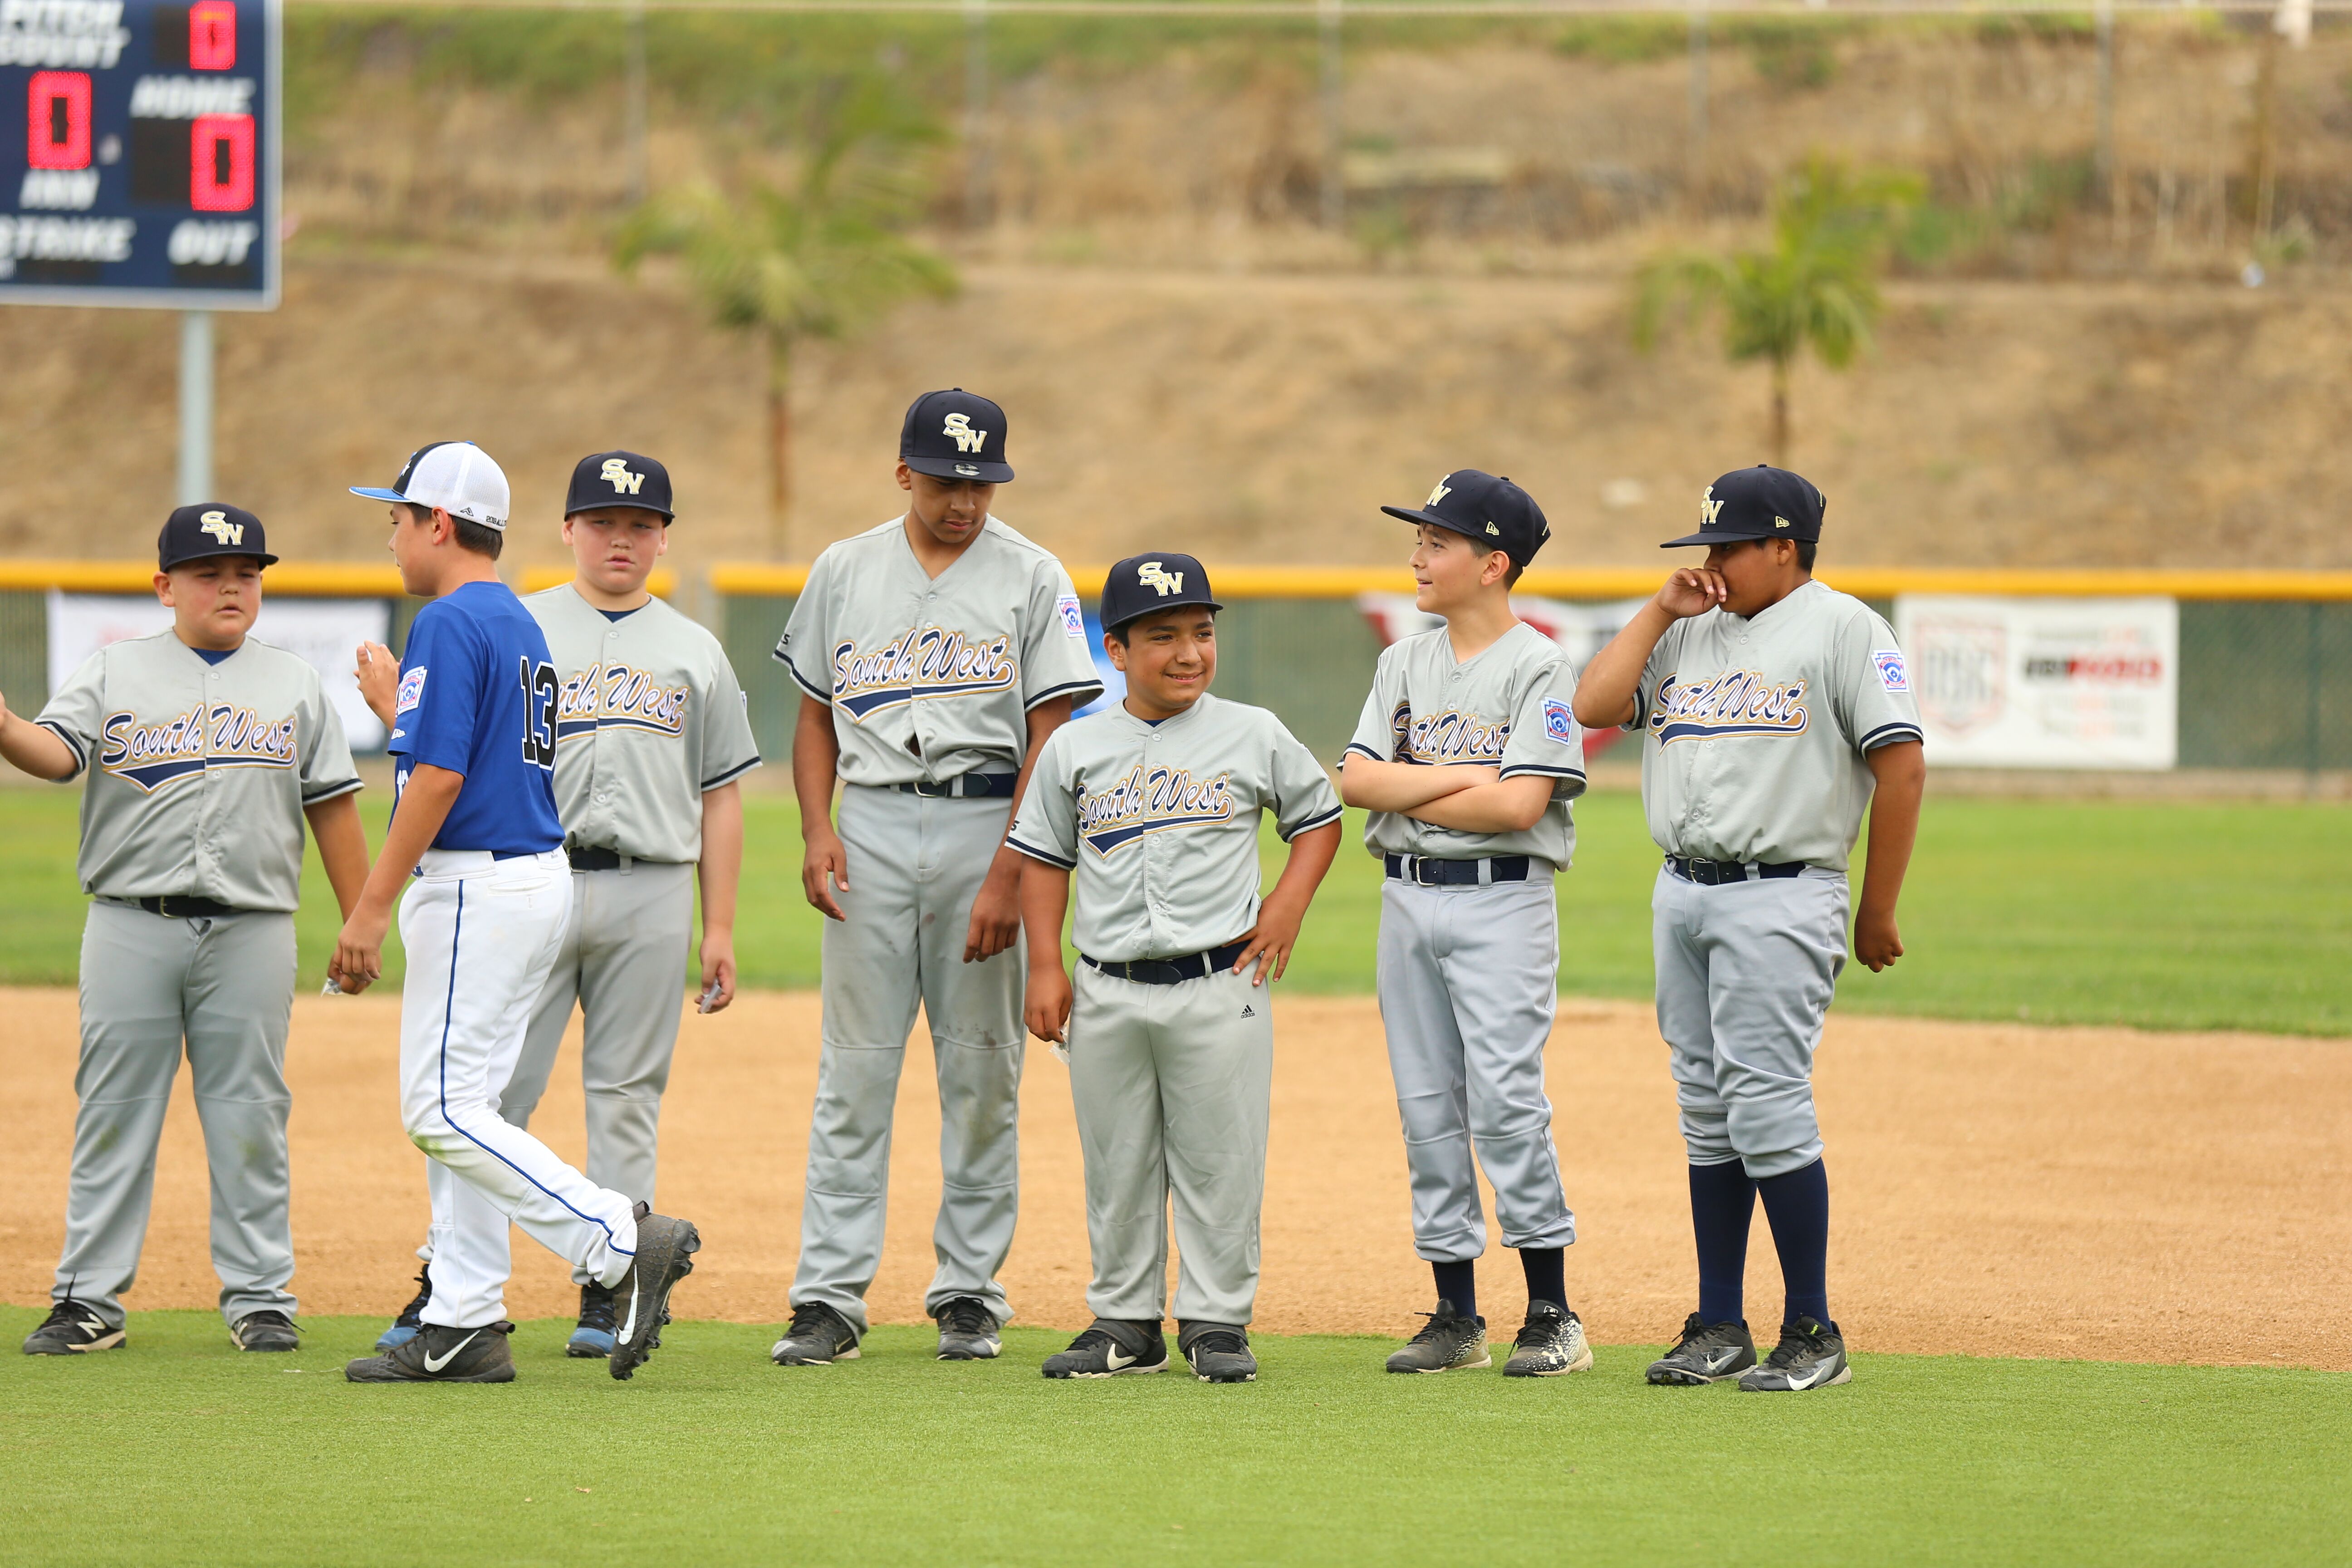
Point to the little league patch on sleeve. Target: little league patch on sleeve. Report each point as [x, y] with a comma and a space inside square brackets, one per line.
[1559, 723]
[412, 690]
[1073, 620]
[1892, 673]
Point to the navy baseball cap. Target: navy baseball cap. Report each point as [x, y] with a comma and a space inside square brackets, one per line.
[955, 434]
[618, 478]
[1493, 511]
[1761, 503]
[210, 528]
[1142, 585]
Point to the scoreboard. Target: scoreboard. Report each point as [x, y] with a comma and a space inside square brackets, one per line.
[138, 153]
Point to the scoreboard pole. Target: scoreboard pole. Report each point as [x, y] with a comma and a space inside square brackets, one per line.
[195, 407]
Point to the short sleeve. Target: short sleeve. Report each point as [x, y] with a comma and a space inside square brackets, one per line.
[1047, 826]
[802, 648]
[76, 712]
[1544, 736]
[1055, 660]
[729, 750]
[1378, 734]
[326, 752]
[442, 691]
[1303, 797]
[1871, 695]
[1663, 660]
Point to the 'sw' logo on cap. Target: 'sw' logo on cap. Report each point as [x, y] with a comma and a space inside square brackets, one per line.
[218, 524]
[967, 439]
[616, 474]
[1160, 583]
[1439, 493]
[1710, 509]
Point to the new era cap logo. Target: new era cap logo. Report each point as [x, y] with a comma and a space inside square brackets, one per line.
[616, 474]
[968, 470]
[1493, 530]
[1439, 493]
[1161, 583]
[967, 439]
[218, 524]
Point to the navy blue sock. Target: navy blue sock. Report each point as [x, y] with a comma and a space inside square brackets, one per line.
[1547, 1274]
[1723, 1202]
[1458, 1283]
[1798, 1205]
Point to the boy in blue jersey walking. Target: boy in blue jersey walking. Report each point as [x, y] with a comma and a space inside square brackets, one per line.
[472, 724]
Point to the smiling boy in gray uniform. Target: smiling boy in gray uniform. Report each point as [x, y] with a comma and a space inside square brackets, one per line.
[936, 653]
[1773, 709]
[1467, 755]
[1155, 804]
[651, 737]
[205, 749]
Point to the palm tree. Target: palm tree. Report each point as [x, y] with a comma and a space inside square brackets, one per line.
[1817, 285]
[822, 255]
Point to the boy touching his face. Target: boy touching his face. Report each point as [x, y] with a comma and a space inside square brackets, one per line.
[1169, 1034]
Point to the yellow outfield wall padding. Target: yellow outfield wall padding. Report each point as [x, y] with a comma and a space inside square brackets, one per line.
[331, 580]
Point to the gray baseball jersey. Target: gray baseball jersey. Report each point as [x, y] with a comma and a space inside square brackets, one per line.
[1509, 707]
[648, 716]
[1160, 822]
[931, 677]
[1756, 729]
[198, 770]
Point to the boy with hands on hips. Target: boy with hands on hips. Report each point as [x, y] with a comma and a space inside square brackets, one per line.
[1155, 804]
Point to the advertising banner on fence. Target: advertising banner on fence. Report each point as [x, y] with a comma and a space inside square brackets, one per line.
[2045, 683]
[323, 633]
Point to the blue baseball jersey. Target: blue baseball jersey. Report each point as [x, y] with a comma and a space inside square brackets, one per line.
[478, 692]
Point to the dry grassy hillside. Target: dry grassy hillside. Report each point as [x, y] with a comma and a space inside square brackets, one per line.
[1186, 357]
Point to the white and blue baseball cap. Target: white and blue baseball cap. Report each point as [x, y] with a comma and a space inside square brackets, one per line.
[455, 475]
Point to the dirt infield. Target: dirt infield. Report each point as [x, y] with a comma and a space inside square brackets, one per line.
[2000, 1190]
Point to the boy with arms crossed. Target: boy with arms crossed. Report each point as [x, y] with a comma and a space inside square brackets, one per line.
[1774, 707]
[1155, 804]
[1467, 755]
[474, 824]
[935, 654]
[206, 749]
[651, 736]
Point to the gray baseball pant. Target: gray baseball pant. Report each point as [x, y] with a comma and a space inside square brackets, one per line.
[1172, 1085]
[1468, 982]
[225, 985]
[914, 867]
[1746, 971]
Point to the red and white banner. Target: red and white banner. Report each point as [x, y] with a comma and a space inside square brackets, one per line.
[2045, 683]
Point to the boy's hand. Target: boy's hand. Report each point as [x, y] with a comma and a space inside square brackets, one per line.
[1876, 942]
[379, 675]
[718, 969]
[1270, 941]
[824, 865]
[358, 963]
[1691, 590]
[1046, 1007]
[995, 909]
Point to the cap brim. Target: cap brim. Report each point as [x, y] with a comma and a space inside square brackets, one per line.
[1160, 609]
[949, 468]
[1714, 536]
[378, 493]
[602, 505]
[261, 556]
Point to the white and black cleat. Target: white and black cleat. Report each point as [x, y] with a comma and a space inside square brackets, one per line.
[1111, 1347]
[968, 1330]
[817, 1336]
[1447, 1342]
[1811, 1355]
[267, 1330]
[666, 1249]
[1706, 1352]
[1217, 1352]
[1550, 1343]
[74, 1328]
[438, 1354]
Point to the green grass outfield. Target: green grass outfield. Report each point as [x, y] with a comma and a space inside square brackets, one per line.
[2158, 914]
[179, 1450]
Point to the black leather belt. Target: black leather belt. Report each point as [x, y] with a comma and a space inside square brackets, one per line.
[964, 787]
[1172, 971]
[593, 859]
[1714, 873]
[1454, 873]
[179, 909]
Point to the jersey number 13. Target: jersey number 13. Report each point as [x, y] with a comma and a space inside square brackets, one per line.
[538, 689]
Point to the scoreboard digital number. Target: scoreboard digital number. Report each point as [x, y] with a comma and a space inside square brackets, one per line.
[138, 153]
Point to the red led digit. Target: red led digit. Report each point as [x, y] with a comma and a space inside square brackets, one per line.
[212, 35]
[56, 127]
[220, 163]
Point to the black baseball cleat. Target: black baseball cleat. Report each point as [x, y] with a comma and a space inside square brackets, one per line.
[1811, 1355]
[1708, 1352]
[666, 1249]
[817, 1336]
[1550, 1343]
[267, 1330]
[73, 1328]
[438, 1354]
[1111, 1347]
[593, 1335]
[1217, 1352]
[1447, 1342]
[968, 1330]
[412, 1317]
